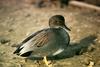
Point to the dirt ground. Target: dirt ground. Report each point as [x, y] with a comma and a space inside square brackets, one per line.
[17, 23]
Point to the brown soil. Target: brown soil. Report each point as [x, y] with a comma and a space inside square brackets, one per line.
[16, 23]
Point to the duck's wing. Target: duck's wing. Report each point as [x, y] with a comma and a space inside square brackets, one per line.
[31, 36]
[39, 39]
[25, 40]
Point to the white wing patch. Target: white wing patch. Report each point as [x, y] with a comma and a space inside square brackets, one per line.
[58, 51]
[26, 47]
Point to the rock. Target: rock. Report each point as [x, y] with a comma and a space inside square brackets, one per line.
[10, 30]
[4, 40]
[91, 64]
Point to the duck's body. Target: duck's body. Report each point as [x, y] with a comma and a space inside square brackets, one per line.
[49, 41]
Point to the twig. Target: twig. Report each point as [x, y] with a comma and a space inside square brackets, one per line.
[84, 5]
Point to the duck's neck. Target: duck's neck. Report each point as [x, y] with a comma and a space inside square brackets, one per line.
[59, 27]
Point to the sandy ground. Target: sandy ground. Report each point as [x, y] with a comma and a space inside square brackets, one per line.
[17, 23]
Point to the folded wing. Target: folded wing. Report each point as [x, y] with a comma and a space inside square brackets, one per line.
[37, 40]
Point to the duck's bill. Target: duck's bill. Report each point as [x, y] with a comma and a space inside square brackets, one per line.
[66, 28]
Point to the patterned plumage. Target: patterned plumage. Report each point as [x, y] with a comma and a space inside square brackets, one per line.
[50, 41]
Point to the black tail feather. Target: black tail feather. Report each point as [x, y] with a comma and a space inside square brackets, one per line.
[17, 50]
[26, 54]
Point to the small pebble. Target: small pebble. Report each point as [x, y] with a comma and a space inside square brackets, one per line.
[91, 64]
[3, 41]
[27, 15]
[10, 30]
[3, 53]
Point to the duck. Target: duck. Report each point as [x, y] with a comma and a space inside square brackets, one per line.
[48, 41]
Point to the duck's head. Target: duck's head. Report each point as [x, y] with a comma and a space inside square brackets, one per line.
[57, 21]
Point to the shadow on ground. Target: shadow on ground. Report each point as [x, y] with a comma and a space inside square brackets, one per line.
[73, 49]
